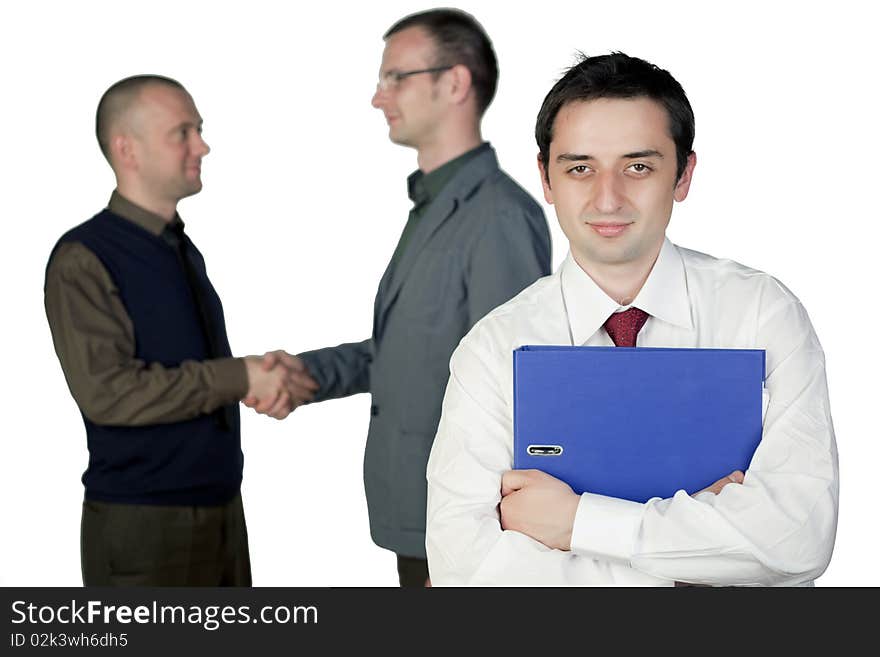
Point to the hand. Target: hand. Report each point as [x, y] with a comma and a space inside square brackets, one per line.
[267, 390]
[735, 477]
[538, 505]
[299, 386]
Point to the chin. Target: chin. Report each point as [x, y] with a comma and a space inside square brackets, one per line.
[194, 188]
[398, 138]
[609, 254]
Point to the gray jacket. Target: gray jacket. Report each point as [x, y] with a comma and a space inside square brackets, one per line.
[481, 241]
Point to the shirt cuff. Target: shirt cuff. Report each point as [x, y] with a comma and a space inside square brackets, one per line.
[229, 378]
[605, 528]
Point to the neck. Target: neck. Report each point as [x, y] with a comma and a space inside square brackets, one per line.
[139, 196]
[447, 147]
[620, 281]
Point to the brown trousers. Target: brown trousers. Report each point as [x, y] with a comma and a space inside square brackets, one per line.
[147, 545]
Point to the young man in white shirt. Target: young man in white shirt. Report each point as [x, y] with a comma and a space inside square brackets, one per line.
[615, 136]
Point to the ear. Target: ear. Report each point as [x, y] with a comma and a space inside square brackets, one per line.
[460, 83]
[684, 183]
[122, 151]
[545, 181]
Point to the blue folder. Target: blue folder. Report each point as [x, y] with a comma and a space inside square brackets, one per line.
[636, 423]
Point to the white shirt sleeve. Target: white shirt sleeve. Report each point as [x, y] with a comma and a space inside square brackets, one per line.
[778, 527]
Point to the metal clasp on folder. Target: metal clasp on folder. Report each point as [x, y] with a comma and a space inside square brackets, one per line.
[544, 450]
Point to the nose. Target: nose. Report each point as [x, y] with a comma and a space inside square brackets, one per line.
[202, 147]
[378, 98]
[608, 198]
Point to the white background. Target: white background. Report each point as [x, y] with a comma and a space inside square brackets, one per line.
[304, 200]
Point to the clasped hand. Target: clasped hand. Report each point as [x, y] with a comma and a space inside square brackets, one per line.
[278, 382]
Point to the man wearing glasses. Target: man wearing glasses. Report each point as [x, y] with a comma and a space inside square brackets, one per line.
[473, 240]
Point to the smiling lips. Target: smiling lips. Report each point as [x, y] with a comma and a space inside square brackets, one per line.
[609, 230]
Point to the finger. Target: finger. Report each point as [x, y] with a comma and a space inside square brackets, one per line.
[301, 395]
[737, 476]
[269, 361]
[296, 381]
[281, 356]
[300, 401]
[278, 406]
[713, 488]
[281, 408]
[250, 401]
[303, 380]
[293, 362]
[264, 404]
[513, 480]
[287, 410]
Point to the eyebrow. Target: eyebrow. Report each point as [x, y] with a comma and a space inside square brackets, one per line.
[572, 157]
[187, 124]
[645, 153]
[577, 157]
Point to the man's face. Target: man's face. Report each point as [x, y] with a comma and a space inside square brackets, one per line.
[167, 142]
[412, 107]
[612, 178]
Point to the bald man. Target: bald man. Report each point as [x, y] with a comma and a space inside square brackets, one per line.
[140, 334]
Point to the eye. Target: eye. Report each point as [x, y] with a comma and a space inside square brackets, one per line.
[639, 167]
[579, 169]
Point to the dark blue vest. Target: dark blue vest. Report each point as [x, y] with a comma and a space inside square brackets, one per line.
[196, 461]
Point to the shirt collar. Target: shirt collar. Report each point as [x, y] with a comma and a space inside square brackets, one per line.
[663, 296]
[149, 221]
[425, 187]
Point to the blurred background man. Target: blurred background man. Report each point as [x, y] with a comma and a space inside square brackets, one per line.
[473, 239]
[140, 334]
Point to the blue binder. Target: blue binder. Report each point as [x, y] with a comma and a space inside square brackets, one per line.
[636, 423]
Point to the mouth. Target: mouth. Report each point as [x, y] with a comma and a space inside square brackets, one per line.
[610, 229]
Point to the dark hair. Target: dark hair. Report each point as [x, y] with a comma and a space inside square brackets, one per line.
[459, 39]
[118, 99]
[619, 76]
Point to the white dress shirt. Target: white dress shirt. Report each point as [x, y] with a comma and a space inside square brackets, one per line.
[776, 528]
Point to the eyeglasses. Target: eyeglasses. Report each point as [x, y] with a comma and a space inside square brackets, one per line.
[391, 80]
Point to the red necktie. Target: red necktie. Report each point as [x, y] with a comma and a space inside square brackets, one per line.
[624, 327]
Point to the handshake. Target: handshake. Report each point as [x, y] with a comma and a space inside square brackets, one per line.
[278, 382]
